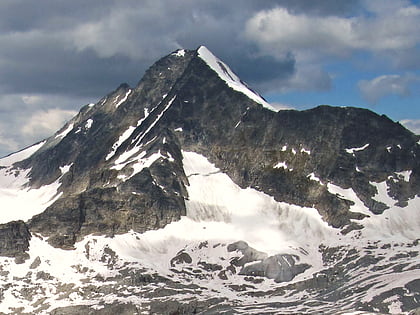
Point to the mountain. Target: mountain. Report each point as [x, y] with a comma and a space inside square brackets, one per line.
[190, 194]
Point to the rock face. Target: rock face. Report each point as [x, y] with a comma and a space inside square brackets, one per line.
[115, 178]
[104, 193]
[14, 239]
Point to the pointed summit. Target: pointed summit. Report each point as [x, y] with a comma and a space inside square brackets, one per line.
[231, 79]
[187, 182]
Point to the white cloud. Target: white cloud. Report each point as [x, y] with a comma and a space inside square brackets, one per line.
[44, 123]
[310, 37]
[28, 118]
[131, 31]
[7, 144]
[412, 124]
[379, 87]
[281, 106]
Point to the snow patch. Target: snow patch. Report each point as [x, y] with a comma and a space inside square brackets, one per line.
[352, 150]
[232, 213]
[19, 202]
[126, 134]
[282, 165]
[89, 123]
[179, 53]
[20, 155]
[382, 193]
[313, 177]
[64, 169]
[65, 132]
[405, 174]
[349, 194]
[142, 135]
[231, 79]
[137, 163]
[123, 99]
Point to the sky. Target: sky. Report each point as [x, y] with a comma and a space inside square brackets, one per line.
[58, 55]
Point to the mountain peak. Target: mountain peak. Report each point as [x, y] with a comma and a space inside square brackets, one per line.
[231, 79]
[188, 182]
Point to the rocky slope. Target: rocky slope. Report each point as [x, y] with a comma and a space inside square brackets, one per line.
[189, 194]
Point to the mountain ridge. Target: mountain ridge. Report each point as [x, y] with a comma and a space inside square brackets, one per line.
[206, 184]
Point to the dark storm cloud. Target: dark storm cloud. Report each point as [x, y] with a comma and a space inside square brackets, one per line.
[88, 47]
[72, 51]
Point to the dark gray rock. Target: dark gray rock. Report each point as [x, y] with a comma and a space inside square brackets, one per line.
[104, 309]
[281, 268]
[181, 258]
[238, 135]
[14, 240]
[249, 254]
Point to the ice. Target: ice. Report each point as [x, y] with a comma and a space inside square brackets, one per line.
[20, 155]
[231, 79]
[303, 150]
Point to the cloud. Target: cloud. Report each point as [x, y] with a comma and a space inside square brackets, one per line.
[44, 123]
[387, 28]
[281, 106]
[412, 124]
[28, 118]
[7, 144]
[61, 54]
[379, 87]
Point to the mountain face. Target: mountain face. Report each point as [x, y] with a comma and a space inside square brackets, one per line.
[190, 194]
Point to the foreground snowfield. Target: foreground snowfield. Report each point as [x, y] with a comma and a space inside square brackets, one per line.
[219, 213]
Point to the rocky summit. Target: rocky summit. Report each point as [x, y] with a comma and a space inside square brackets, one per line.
[190, 194]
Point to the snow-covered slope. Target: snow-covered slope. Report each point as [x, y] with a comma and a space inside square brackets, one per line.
[181, 195]
[18, 200]
[231, 79]
[198, 250]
